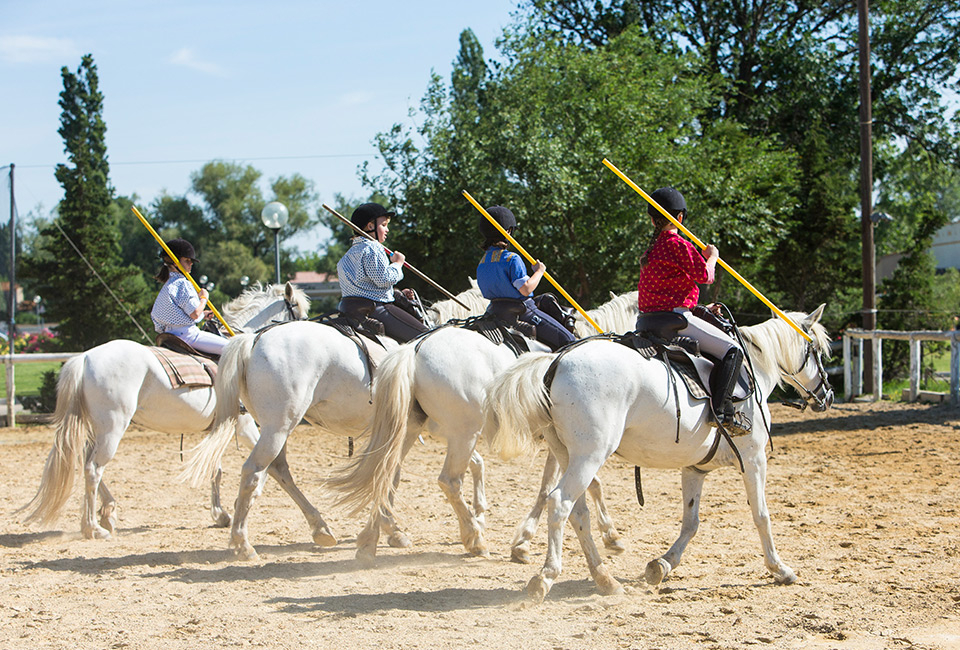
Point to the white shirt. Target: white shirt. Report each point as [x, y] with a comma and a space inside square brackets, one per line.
[174, 304]
[366, 271]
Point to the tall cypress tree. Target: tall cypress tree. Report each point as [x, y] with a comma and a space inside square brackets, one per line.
[87, 313]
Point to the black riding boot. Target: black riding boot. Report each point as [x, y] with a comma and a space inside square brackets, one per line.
[723, 379]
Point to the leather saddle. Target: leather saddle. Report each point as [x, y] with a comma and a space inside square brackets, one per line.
[175, 343]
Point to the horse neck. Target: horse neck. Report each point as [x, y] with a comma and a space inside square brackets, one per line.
[618, 315]
[245, 309]
[447, 309]
[771, 347]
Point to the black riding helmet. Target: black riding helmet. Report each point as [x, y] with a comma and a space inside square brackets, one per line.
[502, 216]
[670, 200]
[369, 212]
[180, 248]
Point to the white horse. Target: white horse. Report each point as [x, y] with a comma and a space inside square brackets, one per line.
[301, 371]
[103, 390]
[605, 399]
[437, 385]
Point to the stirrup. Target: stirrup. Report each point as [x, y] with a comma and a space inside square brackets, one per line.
[737, 423]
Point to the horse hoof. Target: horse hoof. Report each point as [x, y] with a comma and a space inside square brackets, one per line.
[109, 524]
[608, 586]
[399, 540]
[537, 589]
[614, 545]
[324, 538]
[367, 557]
[785, 577]
[656, 571]
[96, 532]
[222, 520]
[520, 554]
[246, 553]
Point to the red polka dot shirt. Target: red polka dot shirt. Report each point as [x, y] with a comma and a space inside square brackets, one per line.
[674, 269]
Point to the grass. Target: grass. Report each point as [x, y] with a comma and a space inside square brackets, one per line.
[28, 377]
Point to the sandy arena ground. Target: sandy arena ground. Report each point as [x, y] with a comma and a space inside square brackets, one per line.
[863, 500]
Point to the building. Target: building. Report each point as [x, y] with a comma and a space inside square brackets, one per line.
[317, 285]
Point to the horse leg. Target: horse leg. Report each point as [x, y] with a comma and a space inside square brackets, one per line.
[580, 518]
[252, 477]
[520, 547]
[691, 488]
[279, 470]
[108, 509]
[754, 479]
[611, 538]
[99, 453]
[459, 452]
[221, 518]
[479, 492]
[560, 502]
[388, 524]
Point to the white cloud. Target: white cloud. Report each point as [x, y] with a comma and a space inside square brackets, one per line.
[36, 49]
[188, 59]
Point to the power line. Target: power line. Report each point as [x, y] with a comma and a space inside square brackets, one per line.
[205, 160]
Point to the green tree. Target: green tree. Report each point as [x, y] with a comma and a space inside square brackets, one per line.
[225, 226]
[531, 133]
[74, 296]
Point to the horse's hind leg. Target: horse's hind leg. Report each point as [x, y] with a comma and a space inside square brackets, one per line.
[691, 487]
[459, 452]
[108, 509]
[279, 470]
[580, 518]
[611, 538]
[754, 478]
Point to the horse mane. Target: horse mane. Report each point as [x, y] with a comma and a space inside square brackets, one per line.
[619, 315]
[255, 299]
[472, 298]
[774, 340]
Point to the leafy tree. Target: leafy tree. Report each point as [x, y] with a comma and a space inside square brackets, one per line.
[87, 313]
[530, 134]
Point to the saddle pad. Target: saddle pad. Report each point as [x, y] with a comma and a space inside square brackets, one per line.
[184, 369]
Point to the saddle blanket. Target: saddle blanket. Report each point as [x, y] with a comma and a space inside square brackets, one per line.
[186, 370]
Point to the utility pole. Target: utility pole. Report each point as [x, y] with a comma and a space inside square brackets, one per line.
[868, 253]
[12, 322]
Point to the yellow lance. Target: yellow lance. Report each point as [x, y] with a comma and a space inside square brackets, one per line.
[531, 260]
[176, 261]
[699, 243]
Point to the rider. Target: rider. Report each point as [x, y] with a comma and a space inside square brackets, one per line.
[178, 308]
[502, 277]
[367, 276]
[670, 270]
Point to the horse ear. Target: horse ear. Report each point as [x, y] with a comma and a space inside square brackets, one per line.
[288, 292]
[814, 318]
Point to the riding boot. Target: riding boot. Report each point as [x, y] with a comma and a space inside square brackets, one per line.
[723, 380]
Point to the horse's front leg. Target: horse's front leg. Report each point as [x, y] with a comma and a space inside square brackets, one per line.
[108, 509]
[459, 452]
[388, 523]
[520, 547]
[754, 480]
[279, 470]
[691, 488]
[221, 518]
[479, 491]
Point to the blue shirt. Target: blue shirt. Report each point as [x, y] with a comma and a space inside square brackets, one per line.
[365, 270]
[174, 304]
[500, 274]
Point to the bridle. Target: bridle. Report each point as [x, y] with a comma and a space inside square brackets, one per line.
[822, 394]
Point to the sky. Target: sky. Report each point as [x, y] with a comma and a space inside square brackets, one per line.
[285, 86]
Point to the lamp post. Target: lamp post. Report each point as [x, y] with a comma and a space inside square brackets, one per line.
[36, 305]
[274, 216]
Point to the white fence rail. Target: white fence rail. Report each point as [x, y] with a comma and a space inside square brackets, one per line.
[11, 360]
[853, 363]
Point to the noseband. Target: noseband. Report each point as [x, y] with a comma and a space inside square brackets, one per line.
[823, 388]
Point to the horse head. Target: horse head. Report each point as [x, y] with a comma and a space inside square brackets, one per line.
[810, 379]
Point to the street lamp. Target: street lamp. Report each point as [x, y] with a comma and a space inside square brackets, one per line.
[274, 216]
[36, 304]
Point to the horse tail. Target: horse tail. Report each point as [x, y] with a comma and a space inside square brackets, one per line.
[516, 409]
[72, 433]
[368, 479]
[230, 384]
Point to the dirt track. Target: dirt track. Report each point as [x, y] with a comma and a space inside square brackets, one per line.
[863, 500]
